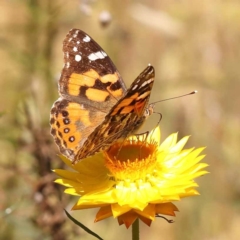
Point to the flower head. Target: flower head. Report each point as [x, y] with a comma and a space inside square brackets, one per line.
[137, 178]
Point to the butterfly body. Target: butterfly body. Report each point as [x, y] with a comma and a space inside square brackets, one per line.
[95, 108]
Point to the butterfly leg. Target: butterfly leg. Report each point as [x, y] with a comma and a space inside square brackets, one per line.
[168, 220]
[160, 118]
[144, 138]
[119, 150]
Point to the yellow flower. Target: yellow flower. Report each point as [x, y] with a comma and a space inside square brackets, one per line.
[135, 179]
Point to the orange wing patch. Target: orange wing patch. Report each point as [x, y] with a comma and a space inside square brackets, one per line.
[109, 78]
[125, 105]
[96, 95]
[77, 82]
[86, 79]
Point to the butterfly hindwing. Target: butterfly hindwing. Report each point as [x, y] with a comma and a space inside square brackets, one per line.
[71, 124]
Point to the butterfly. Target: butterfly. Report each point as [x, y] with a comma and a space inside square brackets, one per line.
[95, 109]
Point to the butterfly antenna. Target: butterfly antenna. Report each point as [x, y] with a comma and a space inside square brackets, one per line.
[163, 100]
[160, 115]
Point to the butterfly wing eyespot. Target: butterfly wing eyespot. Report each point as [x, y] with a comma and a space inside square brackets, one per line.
[95, 108]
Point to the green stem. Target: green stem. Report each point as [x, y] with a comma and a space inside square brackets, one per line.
[135, 230]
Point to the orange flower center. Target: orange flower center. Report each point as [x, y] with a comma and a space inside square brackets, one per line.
[133, 159]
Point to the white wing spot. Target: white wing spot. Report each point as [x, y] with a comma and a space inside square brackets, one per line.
[99, 55]
[104, 54]
[135, 86]
[86, 38]
[77, 31]
[78, 42]
[78, 58]
[70, 39]
[67, 55]
[75, 49]
[67, 64]
[147, 82]
[95, 56]
[92, 57]
[74, 35]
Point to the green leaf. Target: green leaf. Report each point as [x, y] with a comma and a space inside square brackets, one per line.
[82, 226]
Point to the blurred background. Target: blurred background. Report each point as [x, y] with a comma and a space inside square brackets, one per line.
[193, 45]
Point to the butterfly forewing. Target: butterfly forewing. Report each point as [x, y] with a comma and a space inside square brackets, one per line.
[124, 119]
[89, 76]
